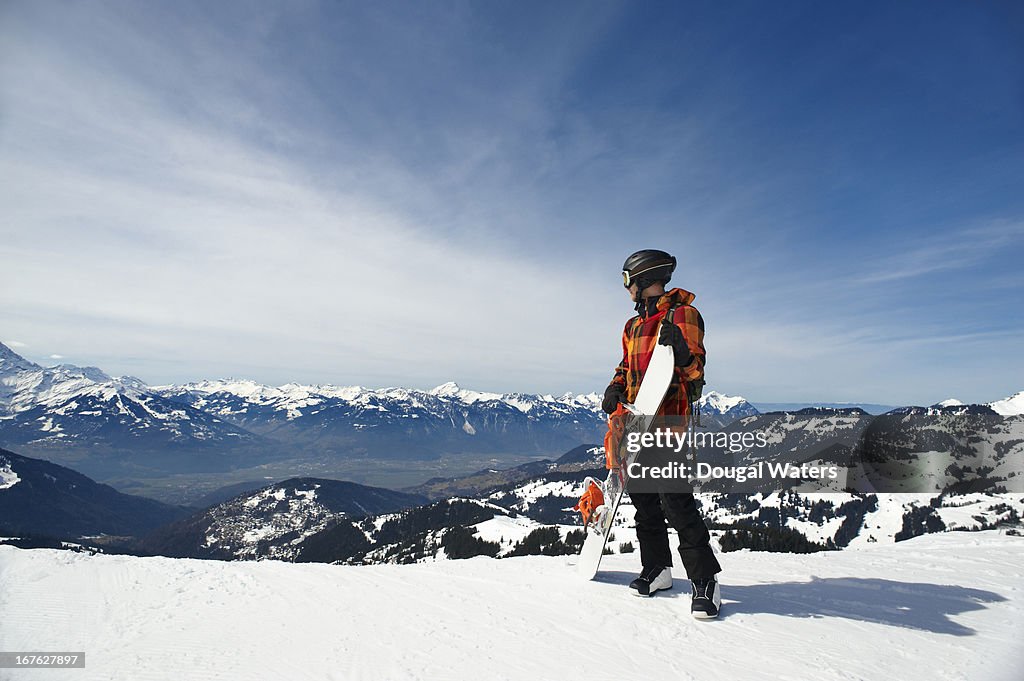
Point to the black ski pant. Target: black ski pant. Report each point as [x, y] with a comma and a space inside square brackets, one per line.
[680, 511]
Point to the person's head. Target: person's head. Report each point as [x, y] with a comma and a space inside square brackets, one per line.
[645, 273]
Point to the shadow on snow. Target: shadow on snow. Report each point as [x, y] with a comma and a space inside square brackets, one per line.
[913, 605]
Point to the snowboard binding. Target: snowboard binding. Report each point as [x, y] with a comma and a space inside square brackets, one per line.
[599, 499]
[591, 505]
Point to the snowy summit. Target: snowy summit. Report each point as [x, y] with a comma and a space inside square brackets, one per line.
[1011, 406]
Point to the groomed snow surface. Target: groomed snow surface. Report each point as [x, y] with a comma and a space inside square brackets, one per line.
[945, 606]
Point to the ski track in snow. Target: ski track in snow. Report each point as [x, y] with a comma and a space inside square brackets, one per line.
[943, 606]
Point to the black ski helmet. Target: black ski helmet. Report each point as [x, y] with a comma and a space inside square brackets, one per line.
[647, 267]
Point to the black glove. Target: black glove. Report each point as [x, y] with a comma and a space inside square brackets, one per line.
[672, 335]
[612, 396]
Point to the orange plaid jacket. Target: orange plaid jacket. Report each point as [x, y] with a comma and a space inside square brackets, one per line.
[638, 341]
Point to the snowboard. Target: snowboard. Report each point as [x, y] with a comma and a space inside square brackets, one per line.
[649, 397]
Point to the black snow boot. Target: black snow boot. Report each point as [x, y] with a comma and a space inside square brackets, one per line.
[707, 598]
[651, 580]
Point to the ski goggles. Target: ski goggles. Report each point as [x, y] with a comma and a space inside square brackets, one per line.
[629, 278]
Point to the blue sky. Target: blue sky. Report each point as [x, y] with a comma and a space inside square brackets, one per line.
[410, 193]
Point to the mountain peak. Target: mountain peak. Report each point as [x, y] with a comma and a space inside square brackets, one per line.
[1011, 406]
[10, 361]
[132, 382]
[720, 402]
[94, 374]
[449, 389]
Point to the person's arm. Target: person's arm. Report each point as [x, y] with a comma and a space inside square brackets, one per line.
[692, 324]
[686, 336]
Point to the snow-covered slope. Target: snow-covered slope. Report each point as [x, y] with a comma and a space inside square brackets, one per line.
[942, 606]
[8, 477]
[803, 434]
[24, 384]
[273, 522]
[1011, 406]
[815, 520]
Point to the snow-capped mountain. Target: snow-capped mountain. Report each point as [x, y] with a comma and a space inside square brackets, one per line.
[110, 428]
[398, 422]
[258, 406]
[274, 521]
[67, 407]
[13, 367]
[82, 414]
[25, 384]
[261, 406]
[1011, 406]
[718, 410]
[118, 427]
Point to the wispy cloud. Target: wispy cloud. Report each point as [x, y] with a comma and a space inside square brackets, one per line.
[945, 251]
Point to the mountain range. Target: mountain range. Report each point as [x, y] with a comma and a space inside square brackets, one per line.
[179, 443]
[122, 430]
[528, 508]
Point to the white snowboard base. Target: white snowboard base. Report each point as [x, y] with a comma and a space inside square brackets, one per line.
[657, 379]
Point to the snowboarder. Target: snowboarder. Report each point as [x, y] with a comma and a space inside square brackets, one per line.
[645, 274]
